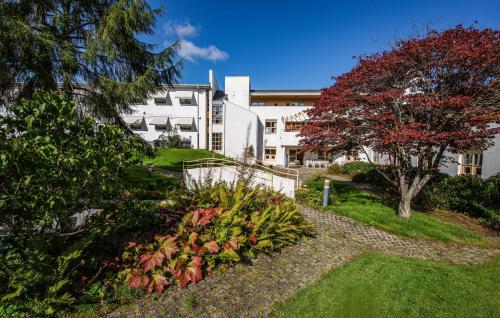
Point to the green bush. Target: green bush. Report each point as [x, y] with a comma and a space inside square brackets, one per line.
[469, 194]
[374, 177]
[52, 166]
[334, 169]
[172, 139]
[225, 224]
[355, 167]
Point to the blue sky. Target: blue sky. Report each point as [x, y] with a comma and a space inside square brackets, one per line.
[299, 44]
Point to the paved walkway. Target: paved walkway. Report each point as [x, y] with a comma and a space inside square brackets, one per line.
[250, 290]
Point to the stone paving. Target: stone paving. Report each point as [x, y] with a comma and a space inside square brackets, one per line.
[250, 290]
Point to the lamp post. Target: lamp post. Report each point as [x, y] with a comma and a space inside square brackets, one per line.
[326, 192]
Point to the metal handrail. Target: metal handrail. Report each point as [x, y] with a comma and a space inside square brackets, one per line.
[211, 162]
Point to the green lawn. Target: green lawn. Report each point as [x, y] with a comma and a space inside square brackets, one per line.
[140, 178]
[371, 209]
[376, 285]
[172, 159]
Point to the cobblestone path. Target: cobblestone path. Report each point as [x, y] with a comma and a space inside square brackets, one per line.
[250, 290]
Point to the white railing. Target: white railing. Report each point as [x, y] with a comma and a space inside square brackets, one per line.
[283, 172]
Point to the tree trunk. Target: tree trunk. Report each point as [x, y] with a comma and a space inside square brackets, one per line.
[404, 208]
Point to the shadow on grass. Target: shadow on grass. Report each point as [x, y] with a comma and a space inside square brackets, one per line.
[366, 207]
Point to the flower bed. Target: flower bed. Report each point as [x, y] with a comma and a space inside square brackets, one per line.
[224, 224]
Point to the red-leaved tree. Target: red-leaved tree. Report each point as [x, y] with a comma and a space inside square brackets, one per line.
[426, 96]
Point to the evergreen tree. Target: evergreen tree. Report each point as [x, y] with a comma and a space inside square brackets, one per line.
[89, 49]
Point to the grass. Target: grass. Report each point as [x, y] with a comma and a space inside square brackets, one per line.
[140, 178]
[172, 159]
[377, 285]
[371, 209]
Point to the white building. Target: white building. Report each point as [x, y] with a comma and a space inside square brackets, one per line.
[229, 121]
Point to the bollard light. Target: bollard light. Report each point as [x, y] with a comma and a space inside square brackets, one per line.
[326, 192]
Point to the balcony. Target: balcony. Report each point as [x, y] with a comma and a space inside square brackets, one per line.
[289, 138]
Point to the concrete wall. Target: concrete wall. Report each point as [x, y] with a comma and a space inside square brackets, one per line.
[237, 89]
[491, 159]
[240, 130]
[230, 174]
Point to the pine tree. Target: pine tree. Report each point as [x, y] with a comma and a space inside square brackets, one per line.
[89, 49]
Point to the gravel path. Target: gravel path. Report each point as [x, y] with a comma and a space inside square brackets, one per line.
[250, 290]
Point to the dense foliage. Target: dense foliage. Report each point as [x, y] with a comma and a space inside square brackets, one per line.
[172, 139]
[62, 209]
[416, 101]
[464, 193]
[355, 167]
[224, 224]
[378, 210]
[469, 194]
[56, 45]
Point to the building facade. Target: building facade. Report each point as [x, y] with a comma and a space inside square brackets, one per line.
[236, 119]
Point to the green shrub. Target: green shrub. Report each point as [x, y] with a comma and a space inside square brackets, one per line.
[355, 167]
[229, 224]
[374, 177]
[464, 193]
[172, 139]
[53, 166]
[334, 169]
[469, 194]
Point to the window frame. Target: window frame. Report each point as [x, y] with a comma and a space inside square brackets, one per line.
[218, 117]
[270, 156]
[161, 104]
[182, 101]
[293, 126]
[184, 128]
[217, 143]
[472, 163]
[273, 128]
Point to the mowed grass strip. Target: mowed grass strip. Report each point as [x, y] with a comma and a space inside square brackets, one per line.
[371, 209]
[378, 285]
[171, 158]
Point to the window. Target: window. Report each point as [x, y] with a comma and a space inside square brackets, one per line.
[185, 127]
[185, 101]
[472, 163]
[137, 126]
[217, 114]
[161, 101]
[270, 153]
[160, 127]
[297, 104]
[257, 104]
[141, 102]
[322, 155]
[293, 125]
[376, 157]
[352, 155]
[271, 126]
[216, 141]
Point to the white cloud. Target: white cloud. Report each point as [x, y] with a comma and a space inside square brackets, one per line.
[192, 52]
[189, 50]
[180, 29]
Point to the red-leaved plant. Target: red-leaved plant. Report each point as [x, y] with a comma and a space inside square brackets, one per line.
[248, 221]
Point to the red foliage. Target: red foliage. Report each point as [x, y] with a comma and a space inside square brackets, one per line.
[416, 101]
[417, 96]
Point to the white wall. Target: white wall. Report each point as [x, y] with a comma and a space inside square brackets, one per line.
[237, 89]
[230, 174]
[281, 139]
[491, 159]
[239, 130]
[196, 111]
